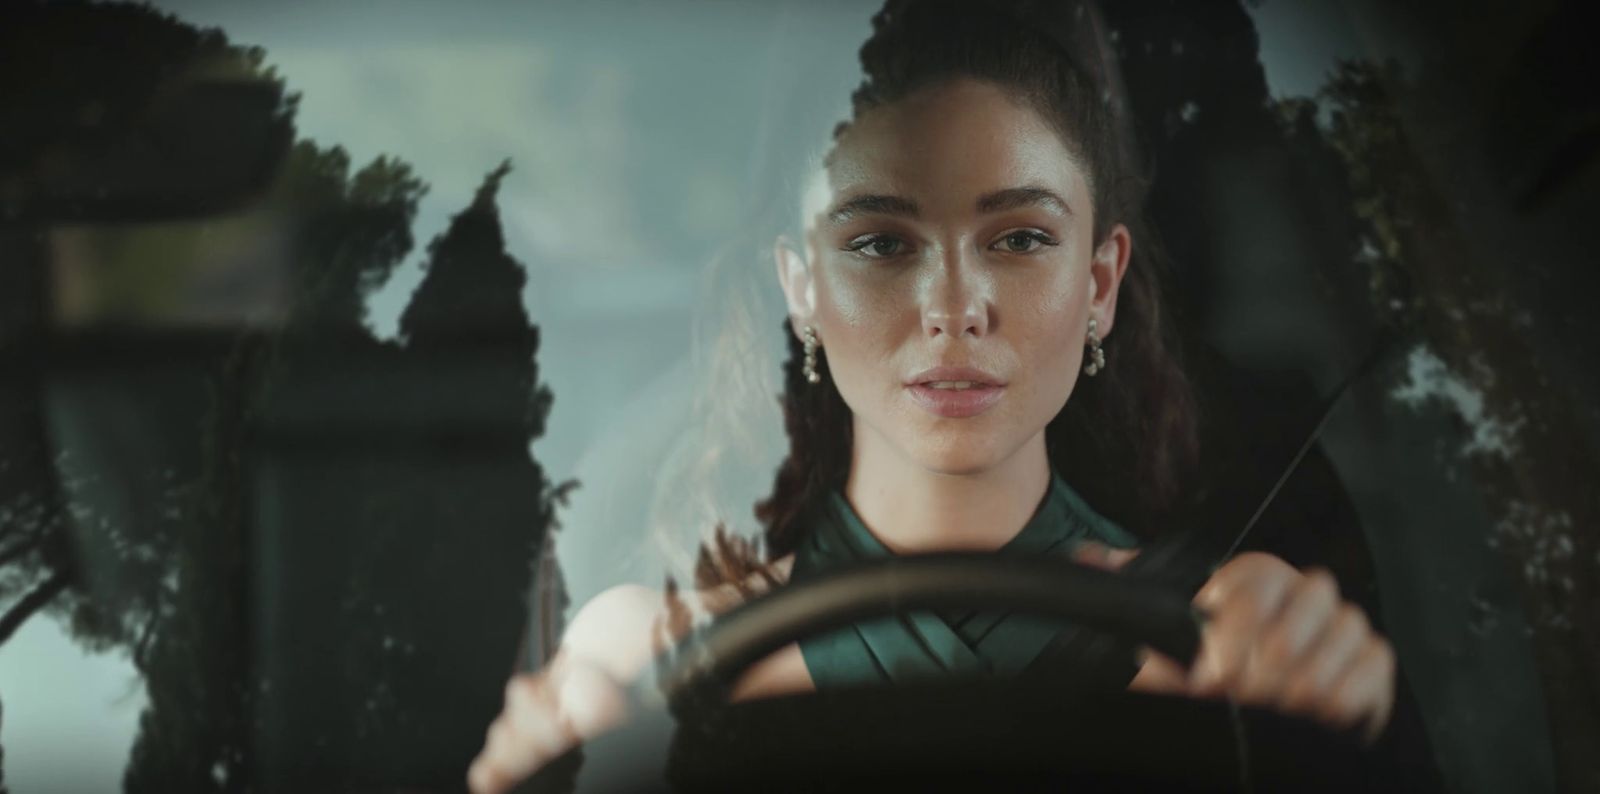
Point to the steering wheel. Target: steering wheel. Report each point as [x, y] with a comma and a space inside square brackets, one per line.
[1127, 607]
[687, 736]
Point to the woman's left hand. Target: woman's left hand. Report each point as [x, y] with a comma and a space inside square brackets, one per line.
[1282, 639]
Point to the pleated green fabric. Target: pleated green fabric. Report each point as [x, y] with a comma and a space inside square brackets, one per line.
[927, 645]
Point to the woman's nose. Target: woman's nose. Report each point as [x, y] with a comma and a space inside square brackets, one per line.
[955, 304]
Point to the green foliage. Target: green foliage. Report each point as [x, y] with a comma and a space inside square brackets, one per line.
[1354, 119]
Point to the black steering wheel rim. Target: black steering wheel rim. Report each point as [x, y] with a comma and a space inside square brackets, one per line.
[1137, 609]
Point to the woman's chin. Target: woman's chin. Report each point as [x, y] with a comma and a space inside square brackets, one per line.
[959, 459]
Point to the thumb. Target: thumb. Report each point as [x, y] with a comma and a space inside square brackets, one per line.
[1095, 554]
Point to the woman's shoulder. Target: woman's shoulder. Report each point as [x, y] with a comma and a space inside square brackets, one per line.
[615, 629]
[624, 627]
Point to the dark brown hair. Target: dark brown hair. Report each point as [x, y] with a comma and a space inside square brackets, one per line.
[1126, 439]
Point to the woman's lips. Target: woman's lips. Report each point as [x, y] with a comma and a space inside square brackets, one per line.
[956, 403]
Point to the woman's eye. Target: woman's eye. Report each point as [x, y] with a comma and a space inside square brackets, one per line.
[877, 246]
[1024, 242]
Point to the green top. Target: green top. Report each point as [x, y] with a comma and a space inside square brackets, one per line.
[923, 645]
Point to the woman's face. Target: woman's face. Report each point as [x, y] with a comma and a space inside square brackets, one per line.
[954, 233]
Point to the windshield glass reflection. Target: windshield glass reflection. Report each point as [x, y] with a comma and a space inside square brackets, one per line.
[348, 351]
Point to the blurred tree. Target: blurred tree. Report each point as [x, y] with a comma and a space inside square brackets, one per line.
[1325, 207]
[406, 496]
[1479, 340]
[108, 65]
[315, 546]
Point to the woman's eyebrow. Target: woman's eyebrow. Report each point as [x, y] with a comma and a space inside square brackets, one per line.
[1020, 197]
[872, 204]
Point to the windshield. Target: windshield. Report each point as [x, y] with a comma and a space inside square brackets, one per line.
[347, 350]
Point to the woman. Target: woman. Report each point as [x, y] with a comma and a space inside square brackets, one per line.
[973, 339]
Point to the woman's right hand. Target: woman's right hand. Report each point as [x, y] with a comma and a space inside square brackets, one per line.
[546, 714]
[578, 696]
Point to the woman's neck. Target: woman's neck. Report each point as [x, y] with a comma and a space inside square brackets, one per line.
[911, 509]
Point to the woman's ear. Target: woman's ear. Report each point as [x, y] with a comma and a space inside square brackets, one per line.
[1106, 270]
[794, 276]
